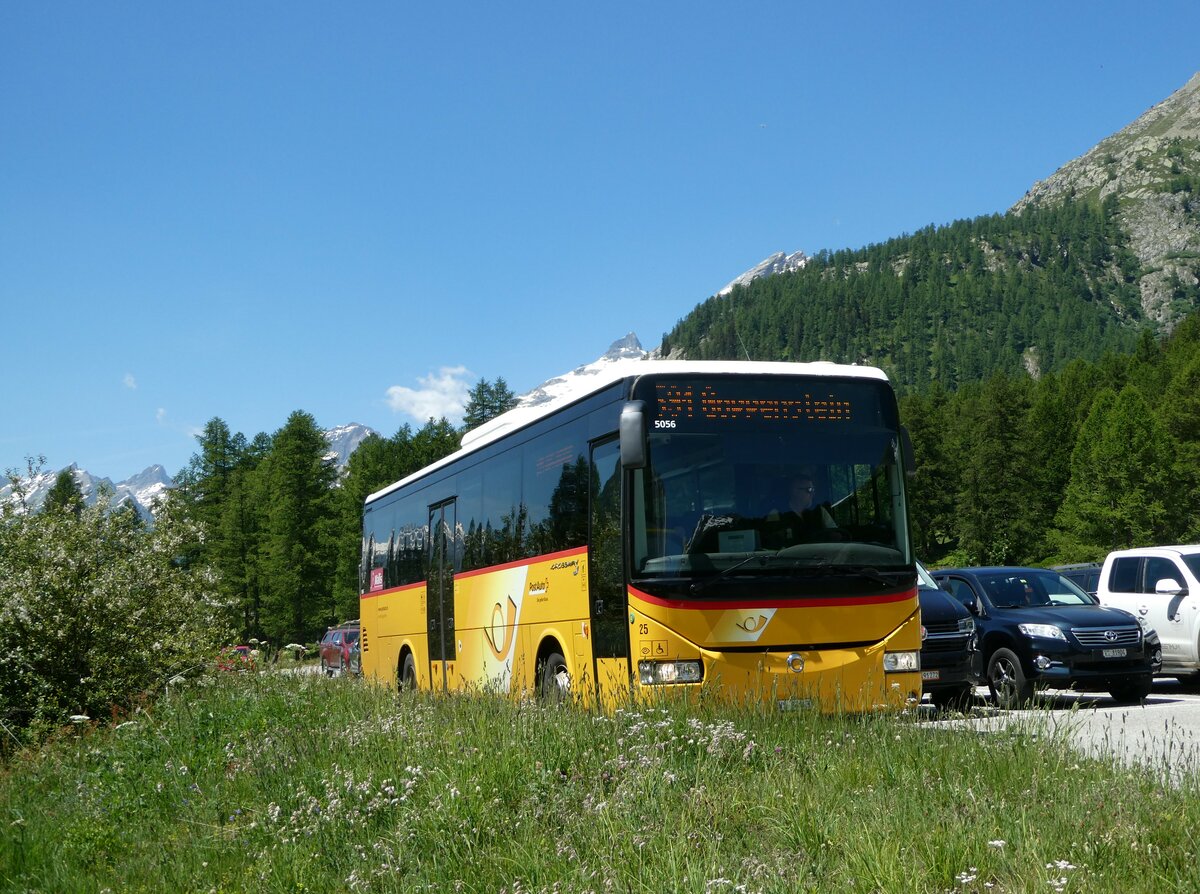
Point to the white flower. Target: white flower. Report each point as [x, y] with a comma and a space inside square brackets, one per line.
[997, 843]
[79, 718]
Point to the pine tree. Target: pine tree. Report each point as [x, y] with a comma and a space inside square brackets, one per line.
[202, 487]
[64, 495]
[931, 489]
[1120, 480]
[993, 519]
[487, 400]
[237, 547]
[299, 552]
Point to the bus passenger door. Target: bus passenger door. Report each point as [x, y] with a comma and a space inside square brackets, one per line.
[606, 575]
[440, 591]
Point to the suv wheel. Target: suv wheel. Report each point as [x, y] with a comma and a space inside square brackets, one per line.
[1007, 680]
[953, 699]
[1132, 692]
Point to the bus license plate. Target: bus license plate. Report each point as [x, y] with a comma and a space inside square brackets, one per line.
[1114, 653]
[931, 675]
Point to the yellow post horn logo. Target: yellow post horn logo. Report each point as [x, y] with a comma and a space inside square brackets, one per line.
[499, 635]
[753, 624]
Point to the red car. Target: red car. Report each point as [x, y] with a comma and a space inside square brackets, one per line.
[337, 646]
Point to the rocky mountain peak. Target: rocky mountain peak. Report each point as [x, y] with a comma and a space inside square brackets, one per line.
[624, 349]
[779, 262]
[1152, 169]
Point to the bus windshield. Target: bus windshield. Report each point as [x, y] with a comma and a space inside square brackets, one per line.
[776, 479]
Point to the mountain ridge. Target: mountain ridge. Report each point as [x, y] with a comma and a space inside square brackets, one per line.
[143, 490]
[1105, 248]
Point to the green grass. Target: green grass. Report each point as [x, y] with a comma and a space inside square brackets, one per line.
[272, 782]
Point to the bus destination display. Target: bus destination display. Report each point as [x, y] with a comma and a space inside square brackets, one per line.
[697, 401]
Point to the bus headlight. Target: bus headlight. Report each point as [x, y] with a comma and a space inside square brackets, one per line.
[901, 662]
[654, 673]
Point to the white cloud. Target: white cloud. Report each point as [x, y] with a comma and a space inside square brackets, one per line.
[129, 382]
[160, 415]
[443, 393]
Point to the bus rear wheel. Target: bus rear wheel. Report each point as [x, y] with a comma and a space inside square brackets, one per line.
[555, 683]
[408, 674]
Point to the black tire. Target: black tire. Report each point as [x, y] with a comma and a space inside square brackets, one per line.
[953, 699]
[1189, 682]
[408, 674]
[1006, 680]
[1132, 692]
[326, 669]
[554, 683]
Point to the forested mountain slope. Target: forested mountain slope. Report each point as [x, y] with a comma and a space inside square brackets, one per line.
[1108, 246]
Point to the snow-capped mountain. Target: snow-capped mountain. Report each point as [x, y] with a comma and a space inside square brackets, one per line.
[561, 387]
[344, 440]
[777, 263]
[141, 491]
[560, 390]
[145, 488]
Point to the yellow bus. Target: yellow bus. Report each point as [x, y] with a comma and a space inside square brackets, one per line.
[737, 529]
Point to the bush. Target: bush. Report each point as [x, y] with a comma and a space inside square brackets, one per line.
[95, 610]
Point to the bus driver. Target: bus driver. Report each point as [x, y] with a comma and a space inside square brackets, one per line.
[802, 518]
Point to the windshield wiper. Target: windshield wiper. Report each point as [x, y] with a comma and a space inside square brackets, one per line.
[870, 572]
[701, 585]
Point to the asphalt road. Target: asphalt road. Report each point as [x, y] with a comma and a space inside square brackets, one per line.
[1161, 735]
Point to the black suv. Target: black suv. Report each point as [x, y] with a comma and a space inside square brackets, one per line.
[1085, 575]
[951, 665]
[1037, 629]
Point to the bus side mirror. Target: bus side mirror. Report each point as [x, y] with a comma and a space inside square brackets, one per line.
[633, 435]
[906, 451]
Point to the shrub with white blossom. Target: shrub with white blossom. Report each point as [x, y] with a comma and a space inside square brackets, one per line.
[95, 610]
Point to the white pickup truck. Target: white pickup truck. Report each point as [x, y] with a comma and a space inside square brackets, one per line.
[1161, 586]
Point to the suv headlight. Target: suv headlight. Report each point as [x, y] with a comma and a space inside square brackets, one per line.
[966, 625]
[1045, 631]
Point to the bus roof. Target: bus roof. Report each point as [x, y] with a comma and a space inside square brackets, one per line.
[523, 416]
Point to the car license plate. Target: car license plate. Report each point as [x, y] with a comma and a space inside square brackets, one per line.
[931, 675]
[1114, 653]
[795, 704]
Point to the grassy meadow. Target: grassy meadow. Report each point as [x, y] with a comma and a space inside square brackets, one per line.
[267, 782]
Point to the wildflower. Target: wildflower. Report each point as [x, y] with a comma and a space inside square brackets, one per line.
[997, 843]
[79, 718]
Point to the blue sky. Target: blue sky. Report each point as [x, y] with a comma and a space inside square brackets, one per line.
[245, 209]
